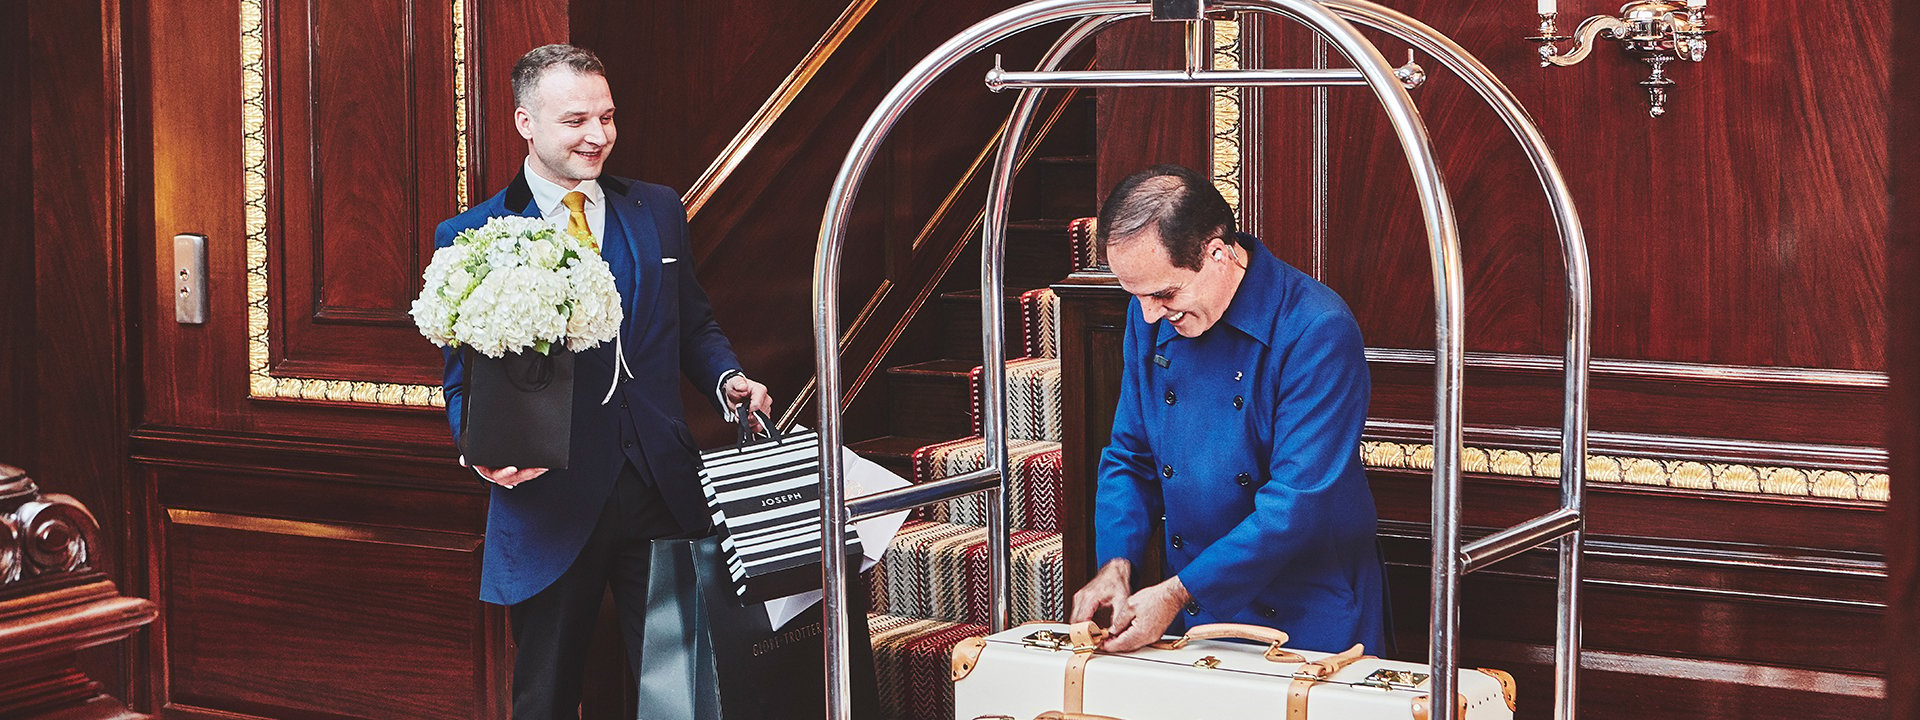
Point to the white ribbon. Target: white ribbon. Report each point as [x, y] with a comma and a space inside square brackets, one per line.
[619, 366]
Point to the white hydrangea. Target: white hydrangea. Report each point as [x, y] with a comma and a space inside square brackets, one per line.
[516, 284]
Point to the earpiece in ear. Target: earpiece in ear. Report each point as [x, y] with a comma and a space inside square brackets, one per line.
[1216, 253]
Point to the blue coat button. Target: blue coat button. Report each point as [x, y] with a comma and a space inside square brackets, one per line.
[1243, 479]
[1171, 398]
[1166, 471]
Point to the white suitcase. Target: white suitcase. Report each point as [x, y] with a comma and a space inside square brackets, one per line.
[1040, 668]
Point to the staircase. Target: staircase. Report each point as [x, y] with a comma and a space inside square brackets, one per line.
[931, 591]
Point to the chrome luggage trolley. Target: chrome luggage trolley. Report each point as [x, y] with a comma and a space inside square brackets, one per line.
[1332, 20]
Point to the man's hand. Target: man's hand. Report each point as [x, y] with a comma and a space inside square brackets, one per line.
[1148, 612]
[740, 387]
[509, 476]
[1107, 590]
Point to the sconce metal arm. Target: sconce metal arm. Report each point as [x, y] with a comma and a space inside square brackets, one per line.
[1583, 40]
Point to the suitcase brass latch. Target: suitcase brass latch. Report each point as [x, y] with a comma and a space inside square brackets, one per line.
[1051, 640]
[1389, 679]
[1207, 663]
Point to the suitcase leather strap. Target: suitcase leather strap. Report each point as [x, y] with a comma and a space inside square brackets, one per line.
[1086, 638]
[1314, 673]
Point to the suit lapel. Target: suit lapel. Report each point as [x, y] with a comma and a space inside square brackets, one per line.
[519, 196]
[644, 241]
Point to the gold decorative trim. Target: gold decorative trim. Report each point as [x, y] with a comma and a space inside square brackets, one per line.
[262, 383]
[1617, 469]
[430, 539]
[776, 105]
[461, 172]
[1226, 147]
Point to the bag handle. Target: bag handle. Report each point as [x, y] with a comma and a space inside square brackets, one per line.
[745, 434]
[1237, 631]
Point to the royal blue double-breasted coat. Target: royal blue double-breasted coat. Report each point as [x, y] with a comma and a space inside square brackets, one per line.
[1246, 441]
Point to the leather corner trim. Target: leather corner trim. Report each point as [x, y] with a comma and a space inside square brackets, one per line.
[966, 656]
[1509, 690]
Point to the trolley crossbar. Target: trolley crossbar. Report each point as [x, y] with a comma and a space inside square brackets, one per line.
[998, 79]
[913, 496]
[1520, 538]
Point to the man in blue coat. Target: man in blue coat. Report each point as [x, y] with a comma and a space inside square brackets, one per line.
[557, 539]
[1244, 392]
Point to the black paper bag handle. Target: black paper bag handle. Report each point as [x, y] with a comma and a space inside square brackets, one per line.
[746, 435]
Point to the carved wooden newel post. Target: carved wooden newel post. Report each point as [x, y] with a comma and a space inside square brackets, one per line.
[54, 602]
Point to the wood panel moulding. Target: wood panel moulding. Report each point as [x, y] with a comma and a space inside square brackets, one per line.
[350, 195]
[261, 615]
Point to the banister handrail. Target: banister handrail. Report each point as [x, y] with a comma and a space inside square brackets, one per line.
[775, 106]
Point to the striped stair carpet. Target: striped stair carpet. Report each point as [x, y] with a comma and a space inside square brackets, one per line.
[912, 659]
[939, 571]
[931, 591]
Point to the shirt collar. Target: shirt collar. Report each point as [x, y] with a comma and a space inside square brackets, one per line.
[547, 194]
[1256, 303]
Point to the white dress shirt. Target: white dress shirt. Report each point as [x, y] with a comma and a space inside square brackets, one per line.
[547, 194]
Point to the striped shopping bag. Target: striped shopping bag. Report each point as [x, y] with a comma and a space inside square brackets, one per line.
[765, 495]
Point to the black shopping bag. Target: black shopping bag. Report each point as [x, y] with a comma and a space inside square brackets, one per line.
[709, 656]
[518, 410]
[765, 495]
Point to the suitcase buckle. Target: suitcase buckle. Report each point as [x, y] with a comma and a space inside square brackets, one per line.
[1390, 679]
[1051, 640]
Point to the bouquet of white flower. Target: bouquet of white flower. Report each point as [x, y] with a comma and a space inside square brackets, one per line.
[514, 284]
[520, 297]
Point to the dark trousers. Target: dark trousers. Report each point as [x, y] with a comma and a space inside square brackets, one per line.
[551, 630]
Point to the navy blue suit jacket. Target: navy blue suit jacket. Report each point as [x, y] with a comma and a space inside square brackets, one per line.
[535, 530]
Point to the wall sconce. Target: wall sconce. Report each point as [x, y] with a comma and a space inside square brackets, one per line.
[1656, 31]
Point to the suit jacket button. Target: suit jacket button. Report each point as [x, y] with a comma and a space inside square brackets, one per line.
[623, 404]
[1266, 612]
[1166, 471]
[1244, 479]
[1177, 542]
[628, 444]
[1239, 402]
[1171, 398]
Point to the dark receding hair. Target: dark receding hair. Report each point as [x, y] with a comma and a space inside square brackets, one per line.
[534, 65]
[1181, 204]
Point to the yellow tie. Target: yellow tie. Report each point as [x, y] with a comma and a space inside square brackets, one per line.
[576, 203]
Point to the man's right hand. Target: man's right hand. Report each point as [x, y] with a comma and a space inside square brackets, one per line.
[509, 476]
[1108, 590]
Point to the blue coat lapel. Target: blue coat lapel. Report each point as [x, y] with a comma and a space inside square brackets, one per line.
[644, 240]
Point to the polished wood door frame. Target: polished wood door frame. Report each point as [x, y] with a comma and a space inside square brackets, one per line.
[1903, 437]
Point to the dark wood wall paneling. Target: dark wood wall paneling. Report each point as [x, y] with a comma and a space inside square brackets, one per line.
[1739, 259]
[362, 131]
[17, 354]
[1747, 263]
[345, 532]
[1902, 527]
[74, 359]
[755, 239]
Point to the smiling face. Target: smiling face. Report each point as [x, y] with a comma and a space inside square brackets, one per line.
[568, 124]
[1192, 300]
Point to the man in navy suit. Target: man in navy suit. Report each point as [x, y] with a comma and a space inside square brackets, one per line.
[557, 539]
